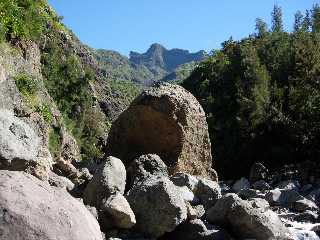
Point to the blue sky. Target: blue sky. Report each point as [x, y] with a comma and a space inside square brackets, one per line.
[125, 25]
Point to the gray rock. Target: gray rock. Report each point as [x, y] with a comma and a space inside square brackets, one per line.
[261, 185]
[146, 166]
[306, 216]
[245, 194]
[283, 197]
[314, 196]
[187, 195]
[164, 120]
[32, 209]
[290, 198]
[246, 221]
[273, 196]
[304, 205]
[183, 179]
[242, 183]
[225, 188]
[289, 185]
[259, 203]
[85, 174]
[258, 172]
[109, 179]
[157, 205]
[117, 213]
[197, 230]
[19, 144]
[60, 182]
[208, 192]
[195, 212]
[304, 234]
[93, 211]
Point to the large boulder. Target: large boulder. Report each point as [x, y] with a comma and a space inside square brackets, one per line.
[116, 212]
[197, 230]
[183, 179]
[158, 206]
[208, 192]
[19, 144]
[32, 209]
[109, 179]
[168, 121]
[258, 172]
[146, 166]
[247, 220]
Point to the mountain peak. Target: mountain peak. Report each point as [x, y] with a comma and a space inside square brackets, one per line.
[157, 56]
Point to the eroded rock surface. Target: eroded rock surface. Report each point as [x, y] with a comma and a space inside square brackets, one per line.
[168, 121]
[32, 209]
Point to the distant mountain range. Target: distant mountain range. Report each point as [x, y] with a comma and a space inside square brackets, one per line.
[157, 64]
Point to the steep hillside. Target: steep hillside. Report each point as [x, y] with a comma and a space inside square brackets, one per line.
[50, 78]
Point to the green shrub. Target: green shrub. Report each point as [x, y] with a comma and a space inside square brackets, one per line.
[26, 85]
[54, 142]
[45, 112]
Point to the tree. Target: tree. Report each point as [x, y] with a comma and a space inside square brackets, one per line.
[316, 18]
[277, 25]
[298, 22]
[261, 28]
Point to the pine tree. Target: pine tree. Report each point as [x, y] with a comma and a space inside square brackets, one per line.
[316, 18]
[261, 28]
[277, 25]
[298, 22]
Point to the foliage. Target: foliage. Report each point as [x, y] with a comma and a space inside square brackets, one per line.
[262, 96]
[29, 87]
[68, 80]
[22, 19]
[26, 85]
[54, 142]
[45, 112]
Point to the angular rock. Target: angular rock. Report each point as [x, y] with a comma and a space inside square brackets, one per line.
[32, 209]
[146, 166]
[289, 185]
[60, 182]
[157, 205]
[290, 198]
[116, 212]
[208, 192]
[314, 196]
[187, 195]
[246, 221]
[168, 121]
[109, 179]
[261, 185]
[304, 205]
[258, 172]
[183, 179]
[259, 203]
[246, 194]
[19, 144]
[242, 183]
[197, 230]
[195, 212]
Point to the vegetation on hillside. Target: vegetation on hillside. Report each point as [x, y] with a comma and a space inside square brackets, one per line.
[66, 77]
[262, 95]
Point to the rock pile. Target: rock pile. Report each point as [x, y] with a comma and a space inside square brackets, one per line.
[163, 188]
